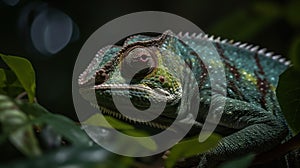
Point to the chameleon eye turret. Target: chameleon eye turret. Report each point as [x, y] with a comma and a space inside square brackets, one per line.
[138, 61]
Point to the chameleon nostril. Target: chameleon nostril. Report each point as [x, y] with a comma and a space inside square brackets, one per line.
[161, 79]
[101, 76]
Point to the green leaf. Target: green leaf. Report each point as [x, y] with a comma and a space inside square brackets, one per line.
[17, 127]
[11, 79]
[242, 162]
[2, 78]
[60, 124]
[99, 120]
[148, 143]
[294, 53]
[9, 84]
[24, 71]
[65, 127]
[32, 109]
[76, 156]
[288, 92]
[190, 147]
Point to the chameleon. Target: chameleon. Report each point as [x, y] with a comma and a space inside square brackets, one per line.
[142, 68]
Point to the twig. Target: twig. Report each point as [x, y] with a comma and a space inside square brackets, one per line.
[278, 151]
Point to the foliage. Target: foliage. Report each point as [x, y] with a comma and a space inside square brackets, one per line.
[77, 156]
[21, 119]
[187, 149]
[289, 97]
[241, 162]
[22, 68]
[125, 128]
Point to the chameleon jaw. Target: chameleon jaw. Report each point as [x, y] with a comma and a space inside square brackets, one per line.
[105, 103]
[154, 95]
[121, 117]
[137, 87]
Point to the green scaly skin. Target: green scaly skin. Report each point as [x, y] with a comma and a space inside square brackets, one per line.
[251, 121]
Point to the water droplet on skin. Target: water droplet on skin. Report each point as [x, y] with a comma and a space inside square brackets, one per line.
[229, 112]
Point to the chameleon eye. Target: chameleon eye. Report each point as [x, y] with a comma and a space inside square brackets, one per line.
[138, 62]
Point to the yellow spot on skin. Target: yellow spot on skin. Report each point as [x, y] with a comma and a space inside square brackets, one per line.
[215, 64]
[273, 88]
[249, 77]
[253, 80]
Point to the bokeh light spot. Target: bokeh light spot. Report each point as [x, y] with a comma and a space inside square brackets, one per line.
[11, 2]
[51, 31]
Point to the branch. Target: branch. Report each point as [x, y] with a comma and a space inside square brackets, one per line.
[279, 151]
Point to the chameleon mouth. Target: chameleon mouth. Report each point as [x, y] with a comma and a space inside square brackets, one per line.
[141, 92]
[134, 121]
[156, 94]
[106, 105]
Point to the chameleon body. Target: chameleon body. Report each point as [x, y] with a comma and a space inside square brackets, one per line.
[251, 121]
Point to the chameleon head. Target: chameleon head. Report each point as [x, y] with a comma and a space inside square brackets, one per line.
[140, 71]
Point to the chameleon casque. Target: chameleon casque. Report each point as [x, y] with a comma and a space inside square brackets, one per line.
[251, 121]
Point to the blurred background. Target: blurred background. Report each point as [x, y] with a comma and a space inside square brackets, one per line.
[51, 33]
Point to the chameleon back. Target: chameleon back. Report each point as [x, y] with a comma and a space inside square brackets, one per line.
[251, 75]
